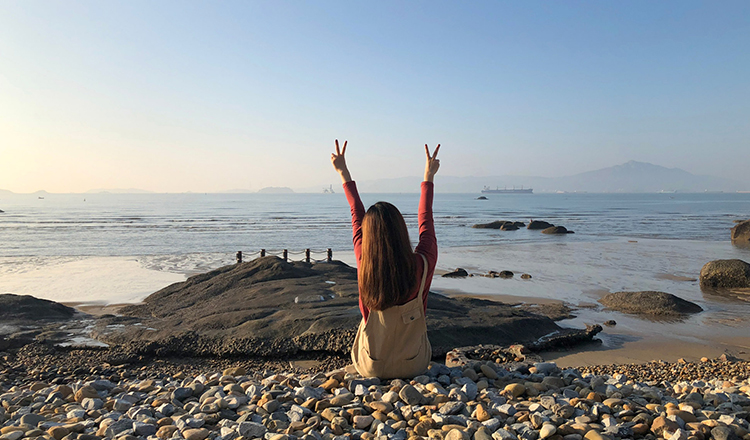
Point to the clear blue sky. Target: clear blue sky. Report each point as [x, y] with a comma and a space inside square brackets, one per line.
[210, 96]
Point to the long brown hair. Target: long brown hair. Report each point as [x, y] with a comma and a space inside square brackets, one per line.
[387, 271]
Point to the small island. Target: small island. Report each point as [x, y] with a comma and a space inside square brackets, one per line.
[276, 190]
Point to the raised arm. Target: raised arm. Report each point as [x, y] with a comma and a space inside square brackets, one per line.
[350, 189]
[427, 241]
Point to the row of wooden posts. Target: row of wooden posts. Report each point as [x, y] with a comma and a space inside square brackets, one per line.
[285, 255]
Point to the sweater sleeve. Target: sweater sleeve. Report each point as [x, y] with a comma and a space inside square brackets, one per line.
[358, 213]
[427, 241]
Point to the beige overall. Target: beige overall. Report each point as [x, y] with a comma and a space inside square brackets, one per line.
[393, 342]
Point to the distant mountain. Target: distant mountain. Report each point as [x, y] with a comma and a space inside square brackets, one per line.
[6, 192]
[276, 190]
[119, 191]
[630, 177]
[644, 177]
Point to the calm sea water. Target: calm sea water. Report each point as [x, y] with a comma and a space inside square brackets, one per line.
[169, 224]
[115, 248]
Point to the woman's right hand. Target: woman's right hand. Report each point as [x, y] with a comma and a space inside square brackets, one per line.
[339, 162]
[432, 165]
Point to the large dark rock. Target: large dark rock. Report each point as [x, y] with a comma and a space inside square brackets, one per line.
[659, 304]
[539, 224]
[27, 309]
[725, 274]
[458, 273]
[741, 233]
[556, 230]
[492, 225]
[256, 308]
[500, 224]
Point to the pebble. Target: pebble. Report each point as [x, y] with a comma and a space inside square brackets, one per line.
[547, 430]
[489, 372]
[410, 395]
[515, 389]
[707, 400]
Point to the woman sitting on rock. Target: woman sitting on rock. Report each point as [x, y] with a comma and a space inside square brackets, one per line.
[393, 279]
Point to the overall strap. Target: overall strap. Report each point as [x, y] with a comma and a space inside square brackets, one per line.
[424, 279]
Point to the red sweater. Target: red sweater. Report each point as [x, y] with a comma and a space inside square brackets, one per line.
[427, 242]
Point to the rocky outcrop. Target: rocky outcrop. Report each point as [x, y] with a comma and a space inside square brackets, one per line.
[741, 233]
[24, 319]
[725, 274]
[650, 303]
[249, 309]
[22, 309]
[556, 230]
[539, 224]
[458, 273]
[509, 227]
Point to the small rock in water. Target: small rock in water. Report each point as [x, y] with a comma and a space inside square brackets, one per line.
[458, 273]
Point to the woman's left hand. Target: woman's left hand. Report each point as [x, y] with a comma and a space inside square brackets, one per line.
[432, 165]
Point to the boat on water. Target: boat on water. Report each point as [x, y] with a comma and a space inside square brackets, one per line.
[506, 190]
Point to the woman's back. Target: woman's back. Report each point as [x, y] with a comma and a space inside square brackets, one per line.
[394, 281]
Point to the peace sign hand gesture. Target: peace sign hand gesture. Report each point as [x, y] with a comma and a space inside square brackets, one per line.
[339, 162]
[432, 165]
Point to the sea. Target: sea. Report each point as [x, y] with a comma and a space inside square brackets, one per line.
[115, 248]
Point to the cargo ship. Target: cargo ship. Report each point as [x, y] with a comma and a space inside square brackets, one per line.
[514, 190]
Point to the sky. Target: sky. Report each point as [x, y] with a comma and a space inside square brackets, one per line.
[176, 96]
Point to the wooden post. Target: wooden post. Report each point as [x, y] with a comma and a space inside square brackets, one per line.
[262, 252]
[330, 255]
[307, 255]
[284, 254]
[239, 257]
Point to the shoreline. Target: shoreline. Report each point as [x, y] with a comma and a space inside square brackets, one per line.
[623, 346]
[556, 283]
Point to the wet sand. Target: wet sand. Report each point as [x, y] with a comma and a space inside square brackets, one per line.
[96, 309]
[635, 350]
[638, 341]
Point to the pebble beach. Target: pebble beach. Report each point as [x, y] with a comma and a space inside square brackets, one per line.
[479, 401]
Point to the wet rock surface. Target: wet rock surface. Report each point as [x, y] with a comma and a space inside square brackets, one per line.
[458, 273]
[650, 303]
[504, 225]
[725, 274]
[539, 224]
[740, 233]
[24, 308]
[556, 230]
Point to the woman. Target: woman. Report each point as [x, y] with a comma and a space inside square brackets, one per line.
[393, 279]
